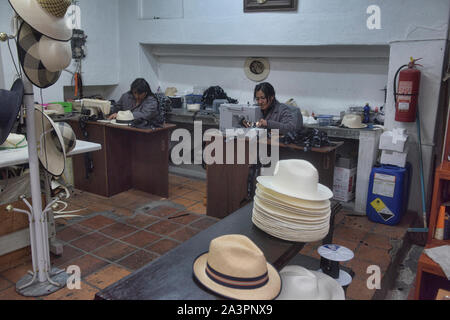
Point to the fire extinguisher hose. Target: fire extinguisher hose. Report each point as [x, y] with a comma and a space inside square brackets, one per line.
[395, 81]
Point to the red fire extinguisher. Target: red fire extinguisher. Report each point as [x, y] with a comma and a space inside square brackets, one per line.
[407, 94]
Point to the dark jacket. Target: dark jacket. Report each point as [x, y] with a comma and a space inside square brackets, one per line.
[283, 117]
[148, 109]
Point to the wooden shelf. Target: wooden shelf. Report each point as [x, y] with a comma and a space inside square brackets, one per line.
[429, 273]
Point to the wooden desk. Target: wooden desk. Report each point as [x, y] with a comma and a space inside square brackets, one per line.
[130, 158]
[227, 183]
[170, 277]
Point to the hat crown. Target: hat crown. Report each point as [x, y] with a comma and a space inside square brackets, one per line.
[57, 8]
[125, 116]
[301, 283]
[297, 175]
[352, 120]
[236, 256]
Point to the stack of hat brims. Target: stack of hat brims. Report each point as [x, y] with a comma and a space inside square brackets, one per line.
[286, 209]
[43, 40]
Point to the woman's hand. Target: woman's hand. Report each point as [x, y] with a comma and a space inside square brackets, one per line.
[113, 116]
[261, 123]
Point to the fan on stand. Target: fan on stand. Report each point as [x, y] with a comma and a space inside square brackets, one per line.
[43, 45]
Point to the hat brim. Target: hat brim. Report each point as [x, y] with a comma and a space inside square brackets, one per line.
[51, 155]
[268, 292]
[323, 193]
[329, 289]
[362, 126]
[39, 19]
[29, 57]
[120, 124]
[10, 109]
[257, 77]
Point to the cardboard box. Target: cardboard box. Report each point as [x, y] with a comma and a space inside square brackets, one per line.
[394, 140]
[394, 158]
[344, 184]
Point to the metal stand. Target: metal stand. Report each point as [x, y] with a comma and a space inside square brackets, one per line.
[42, 280]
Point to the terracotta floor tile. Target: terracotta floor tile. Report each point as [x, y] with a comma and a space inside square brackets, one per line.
[11, 294]
[162, 246]
[123, 212]
[195, 195]
[118, 230]
[378, 241]
[352, 245]
[358, 290]
[105, 277]
[164, 227]
[162, 211]
[174, 179]
[87, 264]
[184, 234]
[184, 202]
[114, 251]
[204, 223]
[91, 242]
[137, 260]
[357, 222]
[393, 232]
[69, 253]
[141, 220]
[350, 234]
[4, 283]
[17, 273]
[184, 217]
[376, 256]
[97, 222]
[141, 238]
[198, 208]
[177, 191]
[359, 267]
[72, 232]
[87, 292]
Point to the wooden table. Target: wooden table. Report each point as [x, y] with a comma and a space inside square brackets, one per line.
[170, 277]
[226, 184]
[130, 158]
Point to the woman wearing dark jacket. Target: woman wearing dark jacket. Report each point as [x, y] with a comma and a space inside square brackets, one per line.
[276, 115]
[140, 100]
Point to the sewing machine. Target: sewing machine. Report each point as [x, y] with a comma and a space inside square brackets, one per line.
[233, 115]
[93, 106]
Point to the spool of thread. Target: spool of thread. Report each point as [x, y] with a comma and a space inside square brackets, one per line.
[331, 255]
[439, 232]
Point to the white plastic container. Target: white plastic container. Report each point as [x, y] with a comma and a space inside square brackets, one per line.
[394, 140]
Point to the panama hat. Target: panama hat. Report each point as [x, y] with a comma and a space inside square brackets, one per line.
[10, 102]
[302, 284]
[68, 136]
[35, 51]
[234, 267]
[353, 121]
[257, 69]
[14, 141]
[50, 144]
[298, 179]
[124, 118]
[45, 16]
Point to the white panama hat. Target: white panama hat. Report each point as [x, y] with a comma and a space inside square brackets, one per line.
[302, 284]
[298, 179]
[257, 69]
[353, 121]
[50, 144]
[45, 16]
[124, 118]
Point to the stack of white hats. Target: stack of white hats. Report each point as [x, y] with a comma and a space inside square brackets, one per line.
[291, 204]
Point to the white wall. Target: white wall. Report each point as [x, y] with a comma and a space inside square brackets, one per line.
[99, 20]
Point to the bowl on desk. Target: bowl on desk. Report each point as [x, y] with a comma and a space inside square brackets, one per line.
[193, 107]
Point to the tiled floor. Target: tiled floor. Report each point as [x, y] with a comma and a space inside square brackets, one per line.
[117, 236]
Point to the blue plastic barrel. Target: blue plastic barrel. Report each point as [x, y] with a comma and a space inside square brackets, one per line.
[387, 200]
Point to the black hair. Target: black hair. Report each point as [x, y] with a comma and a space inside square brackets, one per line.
[266, 88]
[140, 86]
